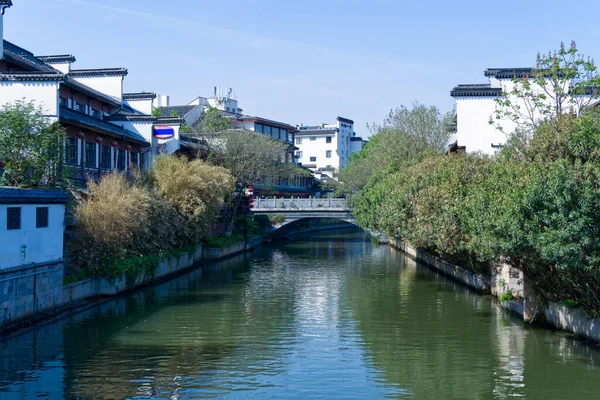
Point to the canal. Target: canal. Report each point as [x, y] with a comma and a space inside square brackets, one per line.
[330, 315]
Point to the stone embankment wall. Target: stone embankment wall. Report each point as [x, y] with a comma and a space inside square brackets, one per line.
[27, 293]
[501, 279]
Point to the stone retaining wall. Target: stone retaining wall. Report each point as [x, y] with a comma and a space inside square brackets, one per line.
[215, 253]
[503, 278]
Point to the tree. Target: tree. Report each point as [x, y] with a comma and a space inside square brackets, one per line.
[251, 158]
[404, 135]
[212, 120]
[31, 146]
[562, 82]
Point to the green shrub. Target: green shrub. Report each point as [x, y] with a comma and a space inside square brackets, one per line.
[506, 296]
[222, 240]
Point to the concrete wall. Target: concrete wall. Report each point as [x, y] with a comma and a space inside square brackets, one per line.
[215, 253]
[30, 244]
[109, 85]
[25, 291]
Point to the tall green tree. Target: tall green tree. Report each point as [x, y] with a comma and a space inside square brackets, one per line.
[31, 146]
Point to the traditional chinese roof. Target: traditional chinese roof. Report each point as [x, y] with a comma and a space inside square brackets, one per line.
[32, 76]
[346, 120]
[317, 131]
[132, 117]
[509, 73]
[57, 59]
[477, 90]
[85, 121]
[179, 111]
[139, 96]
[4, 4]
[24, 58]
[11, 195]
[169, 121]
[88, 73]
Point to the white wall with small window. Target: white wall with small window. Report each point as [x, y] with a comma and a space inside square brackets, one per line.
[30, 233]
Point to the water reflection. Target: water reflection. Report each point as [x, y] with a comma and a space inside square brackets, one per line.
[326, 316]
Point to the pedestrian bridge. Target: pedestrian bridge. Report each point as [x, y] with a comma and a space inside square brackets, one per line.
[294, 210]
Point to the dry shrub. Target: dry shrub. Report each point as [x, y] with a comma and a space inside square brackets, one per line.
[195, 189]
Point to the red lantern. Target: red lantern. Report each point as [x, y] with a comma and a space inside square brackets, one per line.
[128, 147]
[98, 139]
[113, 143]
[79, 134]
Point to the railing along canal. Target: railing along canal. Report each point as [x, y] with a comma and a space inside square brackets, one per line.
[299, 203]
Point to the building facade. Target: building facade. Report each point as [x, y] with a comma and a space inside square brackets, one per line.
[106, 129]
[325, 149]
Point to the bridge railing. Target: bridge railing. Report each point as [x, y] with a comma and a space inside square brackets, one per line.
[299, 203]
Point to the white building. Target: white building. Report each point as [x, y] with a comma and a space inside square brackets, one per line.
[476, 106]
[325, 149]
[106, 128]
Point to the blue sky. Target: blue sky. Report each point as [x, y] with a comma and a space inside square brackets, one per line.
[307, 61]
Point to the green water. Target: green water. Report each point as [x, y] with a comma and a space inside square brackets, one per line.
[330, 316]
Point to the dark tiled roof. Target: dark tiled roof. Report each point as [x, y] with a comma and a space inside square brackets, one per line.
[76, 118]
[132, 117]
[57, 59]
[342, 119]
[24, 58]
[261, 120]
[5, 3]
[356, 139]
[32, 76]
[509, 73]
[86, 73]
[317, 131]
[139, 96]
[478, 90]
[180, 111]
[91, 92]
[169, 120]
[10, 195]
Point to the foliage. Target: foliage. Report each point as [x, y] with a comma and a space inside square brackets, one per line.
[403, 137]
[223, 240]
[506, 296]
[212, 120]
[197, 190]
[562, 82]
[31, 147]
[277, 219]
[156, 112]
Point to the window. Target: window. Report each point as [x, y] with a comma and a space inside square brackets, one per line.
[71, 150]
[328, 139]
[133, 158]
[90, 155]
[121, 160]
[298, 154]
[328, 154]
[41, 217]
[80, 107]
[259, 128]
[106, 156]
[64, 102]
[299, 140]
[313, 159]
[284, 135]
[267, 130]
[96, 113]
[13, 218]
[276, 133]
[313, 138]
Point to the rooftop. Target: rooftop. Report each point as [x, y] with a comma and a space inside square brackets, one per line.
[57, 59]
[317, 131]
[342, 119]
[178, 111]
[69, 81]
[76, 118]
[10, 195]
[88, 73]
[509, 73]
[139, 96]
[477, 90]
[24, 58]
[32, 76]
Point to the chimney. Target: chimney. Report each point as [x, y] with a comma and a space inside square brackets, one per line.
[4, 4]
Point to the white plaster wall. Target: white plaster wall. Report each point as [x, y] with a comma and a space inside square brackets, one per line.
[44, 94]
[473, 128]
[193, 116]
[172, 144]
[143, 106]
[318, 148]
[109, 85]
[355, 146]
[62, 67]
[30, 244]
[143, 128]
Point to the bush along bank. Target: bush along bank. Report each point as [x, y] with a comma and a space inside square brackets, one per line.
[534, 207]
